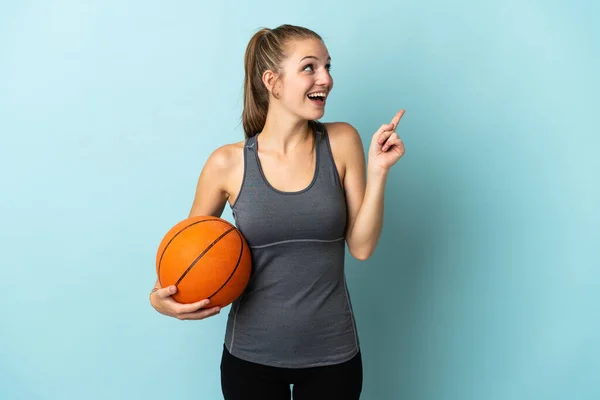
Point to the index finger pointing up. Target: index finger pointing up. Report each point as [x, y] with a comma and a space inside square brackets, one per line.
[396, 119]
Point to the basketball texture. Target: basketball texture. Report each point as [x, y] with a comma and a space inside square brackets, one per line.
[206, 258]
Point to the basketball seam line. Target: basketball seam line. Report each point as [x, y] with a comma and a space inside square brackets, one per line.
[201, 255]
[234, 269]
[177, 234]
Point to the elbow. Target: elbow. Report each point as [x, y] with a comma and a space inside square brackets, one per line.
[361, 249]
[361, 254]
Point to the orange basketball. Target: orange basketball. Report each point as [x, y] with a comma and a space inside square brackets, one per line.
[206, 258]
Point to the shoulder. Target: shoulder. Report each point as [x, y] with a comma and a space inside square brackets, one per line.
[223, 166]
[346, 143]
[215, 181]
[226, 157]
[343, 134]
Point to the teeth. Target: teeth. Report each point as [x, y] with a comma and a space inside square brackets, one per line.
[320, 94]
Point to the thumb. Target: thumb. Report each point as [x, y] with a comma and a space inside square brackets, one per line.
[166, 292]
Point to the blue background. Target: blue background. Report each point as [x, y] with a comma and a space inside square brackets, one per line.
[486, 281]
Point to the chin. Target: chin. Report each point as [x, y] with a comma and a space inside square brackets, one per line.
[309, 113]
[314, 114]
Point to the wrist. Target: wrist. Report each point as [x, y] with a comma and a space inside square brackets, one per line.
[377, 172]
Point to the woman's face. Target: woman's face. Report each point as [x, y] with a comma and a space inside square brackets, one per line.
[305, 81]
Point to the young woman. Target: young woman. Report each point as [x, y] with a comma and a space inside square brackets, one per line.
[300, 191]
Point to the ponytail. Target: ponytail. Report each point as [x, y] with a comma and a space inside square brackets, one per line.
[256, 96]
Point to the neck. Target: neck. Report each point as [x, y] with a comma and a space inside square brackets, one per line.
[283, 133]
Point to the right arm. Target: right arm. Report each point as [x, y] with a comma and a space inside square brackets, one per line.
[210, 198]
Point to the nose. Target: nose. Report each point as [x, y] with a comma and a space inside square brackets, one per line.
[324, 78]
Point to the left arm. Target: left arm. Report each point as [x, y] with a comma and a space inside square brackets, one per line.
[365, 194]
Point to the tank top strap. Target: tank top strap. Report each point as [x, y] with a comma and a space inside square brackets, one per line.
[327, 166]
[251, 167]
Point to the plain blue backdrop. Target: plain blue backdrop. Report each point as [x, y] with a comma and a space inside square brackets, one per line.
[486, 281]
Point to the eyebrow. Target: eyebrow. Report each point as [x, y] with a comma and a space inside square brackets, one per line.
[313, 57]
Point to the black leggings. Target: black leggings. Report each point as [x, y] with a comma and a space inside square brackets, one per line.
[244, 380]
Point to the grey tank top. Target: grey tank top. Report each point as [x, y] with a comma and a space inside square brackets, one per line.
[296, 310]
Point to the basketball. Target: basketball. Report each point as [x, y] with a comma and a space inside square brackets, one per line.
[206, 258]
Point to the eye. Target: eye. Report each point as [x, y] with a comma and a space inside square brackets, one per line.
[311, 67]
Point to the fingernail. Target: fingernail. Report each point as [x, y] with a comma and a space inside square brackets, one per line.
[173, 289]
[206, 302]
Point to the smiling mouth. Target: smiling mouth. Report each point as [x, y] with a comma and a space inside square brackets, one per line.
[318, 98]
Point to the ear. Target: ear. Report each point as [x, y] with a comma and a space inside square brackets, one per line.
[269, 79]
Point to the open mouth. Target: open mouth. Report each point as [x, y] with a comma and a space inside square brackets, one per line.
[318, 98]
